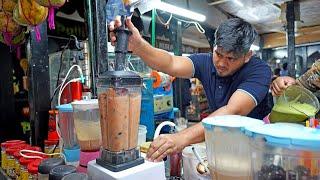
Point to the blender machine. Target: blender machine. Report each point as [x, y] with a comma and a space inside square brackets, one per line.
[119, 95]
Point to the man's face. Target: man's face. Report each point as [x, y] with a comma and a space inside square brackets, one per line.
[227, 64]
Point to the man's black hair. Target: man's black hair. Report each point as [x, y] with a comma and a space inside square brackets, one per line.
[235, 35]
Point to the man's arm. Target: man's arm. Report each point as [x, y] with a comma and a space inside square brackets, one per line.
[155, 58]
[240, 103]
[161, 60]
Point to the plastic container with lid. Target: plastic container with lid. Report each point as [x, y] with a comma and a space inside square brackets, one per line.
[284, 151]
[24, 174]
[17, 156]
[142, 136]
[10, 167]
[66, 126]
[76, 176]
[59, 172]
[4, 146]
[33, 169]
[87, 124]
[46, 166]
[228, 149]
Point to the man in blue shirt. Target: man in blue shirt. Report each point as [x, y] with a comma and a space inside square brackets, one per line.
[234, 81]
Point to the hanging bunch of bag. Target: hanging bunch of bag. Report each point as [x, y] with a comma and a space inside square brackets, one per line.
[30, 13]
[7, 5]
[8, 26]
[52, 5]
[14, 42]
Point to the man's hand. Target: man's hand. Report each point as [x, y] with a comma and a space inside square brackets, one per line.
[165, 145]
[280, 84]
[135, 40]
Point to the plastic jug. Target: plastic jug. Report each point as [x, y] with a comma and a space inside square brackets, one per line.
[295, 105]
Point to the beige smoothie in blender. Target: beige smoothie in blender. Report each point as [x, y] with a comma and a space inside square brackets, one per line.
[120, 115]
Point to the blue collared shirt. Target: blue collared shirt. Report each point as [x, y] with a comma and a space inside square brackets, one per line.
[253, 78]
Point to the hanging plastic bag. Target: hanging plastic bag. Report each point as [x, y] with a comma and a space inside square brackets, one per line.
[33, 14]
[7, 5]
[51, 4]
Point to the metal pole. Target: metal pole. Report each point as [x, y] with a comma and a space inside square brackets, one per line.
[178, 83]
[290, 16]
[39, 89]
[153, 28]
[7, 112]
[91, 48]
[100, 34]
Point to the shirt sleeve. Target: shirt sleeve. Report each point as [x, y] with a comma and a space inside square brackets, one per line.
[200, 64]
[257, 82]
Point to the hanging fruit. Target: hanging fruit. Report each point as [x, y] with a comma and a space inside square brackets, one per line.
[33, 14]
[52, 5]
[7, 5]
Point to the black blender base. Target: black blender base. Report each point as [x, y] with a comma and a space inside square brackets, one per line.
[120, 167]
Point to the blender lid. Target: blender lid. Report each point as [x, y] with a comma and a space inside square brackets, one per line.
[85, 104]
[65, 108]
[233, 121]
[287, 134]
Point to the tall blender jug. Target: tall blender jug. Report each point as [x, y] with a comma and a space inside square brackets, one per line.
[119, 102]
[119, 95]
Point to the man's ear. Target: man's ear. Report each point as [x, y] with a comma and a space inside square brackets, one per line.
[248, 56]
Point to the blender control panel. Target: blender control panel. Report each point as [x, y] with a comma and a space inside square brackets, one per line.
[162, 103]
